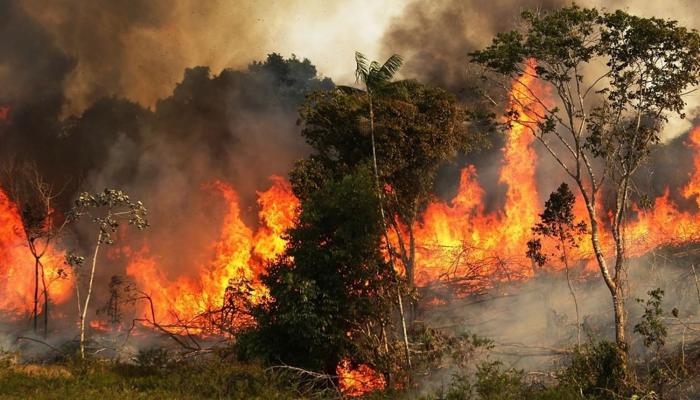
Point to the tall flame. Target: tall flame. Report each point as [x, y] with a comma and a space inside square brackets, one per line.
[460, 230]
[240, 256]
[17, 266]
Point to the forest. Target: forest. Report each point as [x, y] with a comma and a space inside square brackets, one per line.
[508, 210]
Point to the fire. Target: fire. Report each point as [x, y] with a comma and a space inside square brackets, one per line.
[278, 209]
[454, 239]
[458, 239]
[358, 380]
[17, 266]
[4, 113]
[240, 257]
[461, 230]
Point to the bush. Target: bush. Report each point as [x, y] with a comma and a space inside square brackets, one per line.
[596, 370]
[492, 381]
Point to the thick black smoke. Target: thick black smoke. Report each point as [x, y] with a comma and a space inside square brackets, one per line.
[236, 126]
[436, 38]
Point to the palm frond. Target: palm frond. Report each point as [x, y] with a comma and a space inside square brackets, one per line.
[361, 72]
[392, 64]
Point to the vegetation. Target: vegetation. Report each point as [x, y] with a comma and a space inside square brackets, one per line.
[214, 378]
[333, 300]
[413, 130]
[41, 224]
[557, 223]
[617, 78]
[331, 291]
[107, 210]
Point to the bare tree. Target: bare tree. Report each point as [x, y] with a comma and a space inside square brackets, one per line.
[108, 210]
[41, 224]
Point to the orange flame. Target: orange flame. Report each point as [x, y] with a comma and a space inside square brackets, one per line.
[457, 238]
[359, 380]
[17, 266]
[240, 256]
[462, 229]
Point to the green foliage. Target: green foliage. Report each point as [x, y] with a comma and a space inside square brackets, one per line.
[331, 283]
[596, 370]
[417, 128]
[651, 325]
[492, 381]
[647, 65]
[374, 75]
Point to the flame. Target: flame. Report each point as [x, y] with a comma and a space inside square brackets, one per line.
[461, 230]
[17, 266]
[240, 256]
[358, 380]
[457, 239]
[4, 113]
[454, 239]
[278, 211]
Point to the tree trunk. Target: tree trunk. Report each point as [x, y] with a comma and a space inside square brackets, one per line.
[571, 288]
[618, 298]
[45, 291]
[87, 297]
[614, 284]
[386, 232]
[410, 262]
[36, 292]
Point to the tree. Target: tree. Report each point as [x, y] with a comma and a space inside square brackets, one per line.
[617, 78]
[412, 130]
[558, 222]
[41, 224]
[331, 284]
[108, 210]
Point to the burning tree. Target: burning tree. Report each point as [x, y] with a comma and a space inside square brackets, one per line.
[617, 79]
[41, 224]
[108, 210]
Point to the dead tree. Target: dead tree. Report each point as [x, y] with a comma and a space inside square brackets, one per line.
[41, 225]
[107, 209]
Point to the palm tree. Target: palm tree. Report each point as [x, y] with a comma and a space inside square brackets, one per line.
[373, 76]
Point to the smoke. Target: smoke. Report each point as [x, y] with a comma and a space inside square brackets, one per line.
[237, 125]
[138, 49]
[108, 94]
[436, 38]
[533, 323]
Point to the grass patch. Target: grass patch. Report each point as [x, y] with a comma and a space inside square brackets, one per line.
[210, 379]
